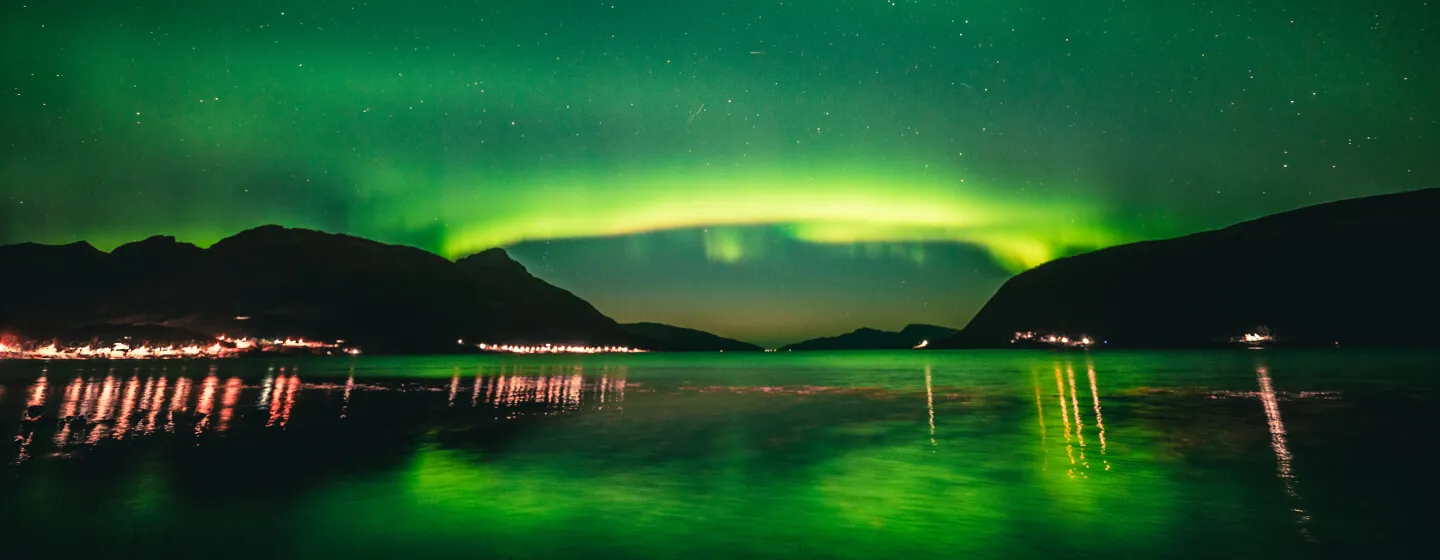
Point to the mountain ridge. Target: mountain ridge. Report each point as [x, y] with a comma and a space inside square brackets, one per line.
[865, 338]
[278, 281]
[682, 339]
[1342, 272]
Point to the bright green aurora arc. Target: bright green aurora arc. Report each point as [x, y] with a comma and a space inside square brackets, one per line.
[764, 170]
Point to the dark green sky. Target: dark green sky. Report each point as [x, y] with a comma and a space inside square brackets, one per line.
[766, 170]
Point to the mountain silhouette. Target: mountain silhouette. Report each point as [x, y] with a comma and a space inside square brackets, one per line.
[681, 339]
[1353, 272]
[874, 339]
[273, 281]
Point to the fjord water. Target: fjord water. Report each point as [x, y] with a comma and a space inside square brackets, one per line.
[826, 455]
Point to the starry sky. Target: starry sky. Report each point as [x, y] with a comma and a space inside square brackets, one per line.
[764, 170]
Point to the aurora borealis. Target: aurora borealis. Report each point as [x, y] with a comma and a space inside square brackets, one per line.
[764, 170]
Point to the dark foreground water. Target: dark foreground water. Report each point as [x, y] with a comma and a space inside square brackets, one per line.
[837, 455]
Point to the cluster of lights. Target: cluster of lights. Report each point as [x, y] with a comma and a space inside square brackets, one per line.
[1260, 336]
[1064, 341]
[224, 347]
[247, 343]
[558, 349]
[1254, 338]
[119, 351]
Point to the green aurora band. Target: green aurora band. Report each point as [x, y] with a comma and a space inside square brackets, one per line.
[845, 209]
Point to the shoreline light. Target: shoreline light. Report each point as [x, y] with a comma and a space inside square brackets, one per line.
[223, 347]
[1057, 340]
[558, 349]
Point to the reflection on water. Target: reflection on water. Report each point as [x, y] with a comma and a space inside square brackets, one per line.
[1099, 417]
[1277, 442]
[227, 403]
[818, 455]
[37, 391]
[1071, 420]
[930, 404]
[93, 409]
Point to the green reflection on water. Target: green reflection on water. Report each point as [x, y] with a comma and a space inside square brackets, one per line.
[861, 480]
[823, 455]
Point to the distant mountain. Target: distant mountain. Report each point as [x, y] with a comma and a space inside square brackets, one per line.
[873, 339]
[680, 339]
[103, 335]
[1356, 272]
[274, 281]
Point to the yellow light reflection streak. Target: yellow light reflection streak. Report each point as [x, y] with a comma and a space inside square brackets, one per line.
[930, 405]
[290, 389]
[37, 393]
[454, 387]
[87, 402]
[177, 401]
[157, 400]
[37, 398]
[68, 408]
[227, 402]
[106, 406]
[127, 407]
[1099, 419]
[1278, 443]
[276, 394]
[206, 403]
[182, 394]
[349, 387]
[1064, 416]
[1075, 407]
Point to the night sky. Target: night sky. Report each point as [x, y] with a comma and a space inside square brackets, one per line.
[764, 170]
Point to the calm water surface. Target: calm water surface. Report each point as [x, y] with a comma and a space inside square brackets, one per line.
[826, 455]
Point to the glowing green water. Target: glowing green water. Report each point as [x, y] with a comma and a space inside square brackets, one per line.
[843, 455]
